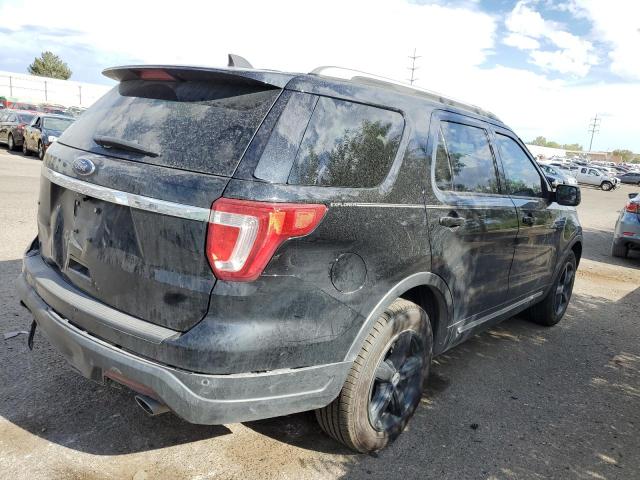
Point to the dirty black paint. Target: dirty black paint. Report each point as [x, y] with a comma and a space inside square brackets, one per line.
[314, 298]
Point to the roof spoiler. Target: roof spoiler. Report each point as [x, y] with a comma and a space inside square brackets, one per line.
[235, 74]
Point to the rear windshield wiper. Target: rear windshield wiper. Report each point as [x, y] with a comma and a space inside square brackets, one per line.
[120, 144]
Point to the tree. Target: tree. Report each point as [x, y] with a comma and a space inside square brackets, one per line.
[624, 155]
[543, 142]
[540, 141]
[572, 146]
[50, 65]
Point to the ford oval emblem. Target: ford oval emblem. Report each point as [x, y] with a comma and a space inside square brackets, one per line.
[83, 166]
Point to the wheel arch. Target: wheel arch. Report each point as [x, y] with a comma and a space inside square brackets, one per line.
[577, 250]
[427, 290]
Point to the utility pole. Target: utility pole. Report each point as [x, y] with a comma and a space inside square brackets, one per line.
[594, 127]
[413, 67]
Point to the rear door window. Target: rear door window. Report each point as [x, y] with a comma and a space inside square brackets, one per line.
[464, 161]
[347, 144]
[202, 126]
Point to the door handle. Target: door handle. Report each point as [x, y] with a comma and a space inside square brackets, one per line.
[528, 219]
[451, 222]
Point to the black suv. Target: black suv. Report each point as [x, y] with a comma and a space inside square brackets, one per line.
[235, 244]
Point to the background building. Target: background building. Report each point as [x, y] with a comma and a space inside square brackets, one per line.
[30, 88]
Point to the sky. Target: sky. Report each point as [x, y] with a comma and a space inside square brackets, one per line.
[544, 67]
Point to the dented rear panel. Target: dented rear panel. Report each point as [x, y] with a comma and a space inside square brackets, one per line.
[147, 264]
[126, 192]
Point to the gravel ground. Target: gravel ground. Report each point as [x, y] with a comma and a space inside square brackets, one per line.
[517, 402]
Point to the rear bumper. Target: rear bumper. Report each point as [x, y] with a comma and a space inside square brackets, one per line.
[627, 230]
[633, 242]
[197, 398]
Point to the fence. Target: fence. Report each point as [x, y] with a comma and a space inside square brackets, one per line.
[32, 89]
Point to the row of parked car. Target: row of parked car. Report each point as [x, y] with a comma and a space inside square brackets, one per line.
[607, 176]
[8, 104]
[31, 131]
[572, 173]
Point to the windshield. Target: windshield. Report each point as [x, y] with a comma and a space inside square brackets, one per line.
[58, 124]
[202, 126]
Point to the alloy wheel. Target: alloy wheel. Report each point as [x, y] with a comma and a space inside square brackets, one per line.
[397, 387]
[564, 288]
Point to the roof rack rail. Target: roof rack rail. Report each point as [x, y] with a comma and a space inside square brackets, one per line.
[372, 78]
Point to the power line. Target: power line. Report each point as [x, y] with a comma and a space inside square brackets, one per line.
[594, 127]
[413, 67]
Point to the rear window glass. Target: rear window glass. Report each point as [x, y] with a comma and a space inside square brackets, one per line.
[59, 124]
[25, 117]
[193, 125]
[347, 145]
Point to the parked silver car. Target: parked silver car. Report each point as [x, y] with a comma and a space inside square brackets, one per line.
[626, 235]
[597, 177]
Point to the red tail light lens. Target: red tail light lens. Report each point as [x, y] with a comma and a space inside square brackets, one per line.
[633, 207]
[156, 74]
[243, 235]
[21, 126]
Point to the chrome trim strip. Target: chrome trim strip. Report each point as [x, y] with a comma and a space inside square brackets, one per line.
[491, 316]
[127, 199]
[376, 205]
[421, 206]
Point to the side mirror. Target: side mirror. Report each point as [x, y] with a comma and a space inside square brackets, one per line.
[633, 195]
[553, 182]
[568, 195]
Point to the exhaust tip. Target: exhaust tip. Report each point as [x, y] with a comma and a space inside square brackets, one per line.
[151, 406]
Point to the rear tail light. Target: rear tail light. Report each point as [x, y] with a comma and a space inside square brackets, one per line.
[21, 126]
[243, 235]
[633, 207]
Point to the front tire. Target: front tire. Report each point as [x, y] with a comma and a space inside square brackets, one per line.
[606, 186]
[40, 151]
[552, 308]
[384, 385]
[25, 149]
[11, 145]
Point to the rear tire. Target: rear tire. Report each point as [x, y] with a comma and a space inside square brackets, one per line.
[618, 250]
[606, 186]
[384, 385]
[550, 310]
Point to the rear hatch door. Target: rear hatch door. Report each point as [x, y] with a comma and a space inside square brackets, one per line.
[126, 190]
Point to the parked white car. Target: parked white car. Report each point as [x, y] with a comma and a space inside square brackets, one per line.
[597, 177]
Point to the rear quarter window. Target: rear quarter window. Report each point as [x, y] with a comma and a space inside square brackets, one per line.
[347, 144]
